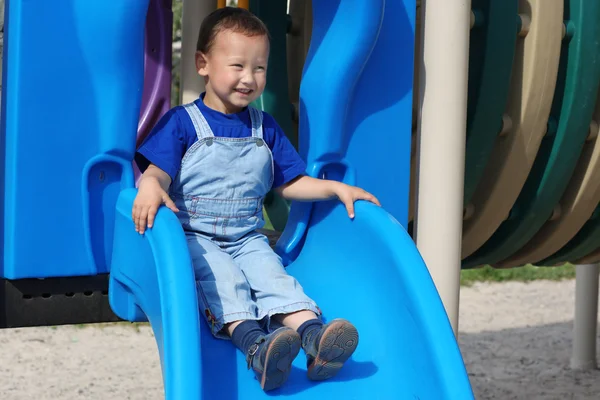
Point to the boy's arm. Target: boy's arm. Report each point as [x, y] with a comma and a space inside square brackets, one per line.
[153, 172]
[288, 164]
[305, 188]
[152, 193]
[159, 158]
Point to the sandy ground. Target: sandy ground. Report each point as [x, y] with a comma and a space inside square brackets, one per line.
[516, 342]
[515, 339]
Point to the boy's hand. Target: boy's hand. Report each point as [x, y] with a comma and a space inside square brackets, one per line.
[306, 188]
[149, 198]
[349, 194]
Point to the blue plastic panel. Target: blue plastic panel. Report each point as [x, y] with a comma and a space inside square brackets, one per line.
[355, 113]
[71, 100]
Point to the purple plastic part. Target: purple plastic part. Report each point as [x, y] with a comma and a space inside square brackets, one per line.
[156, 97]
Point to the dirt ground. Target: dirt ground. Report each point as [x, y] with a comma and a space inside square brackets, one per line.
[515, 339]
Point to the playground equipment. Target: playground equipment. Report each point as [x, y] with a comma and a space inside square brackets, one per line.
[505, 157]
[82, 144]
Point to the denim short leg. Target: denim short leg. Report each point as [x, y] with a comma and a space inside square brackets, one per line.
[223, 291]
[275, 291]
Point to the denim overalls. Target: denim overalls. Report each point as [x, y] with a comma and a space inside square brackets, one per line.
[219, 191]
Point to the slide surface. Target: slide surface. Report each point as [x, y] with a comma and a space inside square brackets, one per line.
[378, 281]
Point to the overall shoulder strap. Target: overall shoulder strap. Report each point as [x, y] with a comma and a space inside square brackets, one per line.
[256, 116]
[200, 125]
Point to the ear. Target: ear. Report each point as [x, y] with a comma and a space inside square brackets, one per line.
[201, 64]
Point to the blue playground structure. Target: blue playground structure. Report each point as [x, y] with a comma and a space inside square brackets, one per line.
[80, 83]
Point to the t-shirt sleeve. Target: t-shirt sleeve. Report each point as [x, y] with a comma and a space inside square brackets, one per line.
[286, 161]
[165, 145]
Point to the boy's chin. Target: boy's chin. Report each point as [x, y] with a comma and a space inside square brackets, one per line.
[241, 103]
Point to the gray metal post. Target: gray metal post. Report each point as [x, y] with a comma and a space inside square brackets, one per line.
[441, 132]
[586, 317]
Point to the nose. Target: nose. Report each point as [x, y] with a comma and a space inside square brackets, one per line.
[247, 77]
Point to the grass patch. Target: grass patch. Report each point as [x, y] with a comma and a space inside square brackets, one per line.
[268, 223]
[133, 325]
[527, 273]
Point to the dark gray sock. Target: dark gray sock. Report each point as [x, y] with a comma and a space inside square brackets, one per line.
[246, 334]
[309, 331]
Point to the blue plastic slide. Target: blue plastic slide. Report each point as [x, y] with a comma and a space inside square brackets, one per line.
[406, 351]
[355, 127]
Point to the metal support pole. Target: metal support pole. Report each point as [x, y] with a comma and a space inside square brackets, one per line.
[441, 135]
[586, 317]
[194, 12]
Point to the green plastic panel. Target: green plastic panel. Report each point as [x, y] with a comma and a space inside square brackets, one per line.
[492, 48]
[576, 207]
[275, 98]
[585, 242]
[532, 87]
[577, 84]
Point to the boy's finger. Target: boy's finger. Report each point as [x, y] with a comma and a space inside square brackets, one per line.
[364, 195]
[170, 204]
[142, 220]
[373, 199]
[349, 207]
[151, 215]
[136, 217]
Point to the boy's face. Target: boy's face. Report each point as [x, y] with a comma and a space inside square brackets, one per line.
[235, 70]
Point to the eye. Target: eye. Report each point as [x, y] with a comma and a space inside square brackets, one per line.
[261, 68]
[237, 65]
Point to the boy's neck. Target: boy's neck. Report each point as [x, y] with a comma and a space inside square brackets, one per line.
[212, 101]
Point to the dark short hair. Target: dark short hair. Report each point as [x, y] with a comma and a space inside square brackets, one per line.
[234, 19]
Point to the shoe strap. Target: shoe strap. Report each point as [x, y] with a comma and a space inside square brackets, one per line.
[253, 350]
[309, 344]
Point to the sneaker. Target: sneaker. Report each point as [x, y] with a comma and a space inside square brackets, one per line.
[271, 357]
[329, 348]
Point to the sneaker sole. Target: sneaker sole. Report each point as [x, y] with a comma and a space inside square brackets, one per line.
[338, 343]
[278, 361]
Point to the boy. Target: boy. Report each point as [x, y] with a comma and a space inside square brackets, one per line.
[212, 162]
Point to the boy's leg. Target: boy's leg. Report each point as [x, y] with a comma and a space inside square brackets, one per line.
[223, 292]
[296, 319]
[280, 296]
[269, 355]
[327, 347]
[276, 292]
[228, 307]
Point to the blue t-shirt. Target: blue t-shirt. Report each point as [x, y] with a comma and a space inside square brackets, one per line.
[174, 134]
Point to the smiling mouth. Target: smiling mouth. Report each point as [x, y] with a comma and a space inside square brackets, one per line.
[244, 92]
